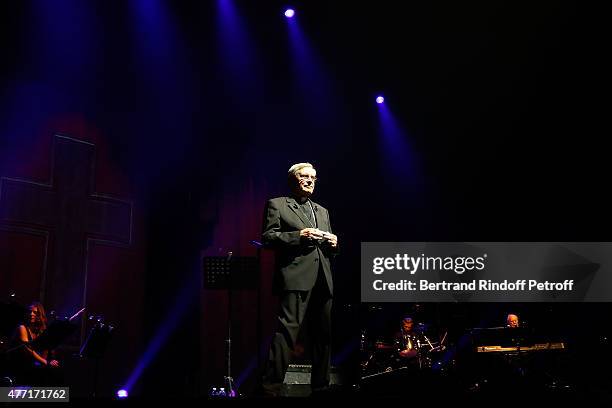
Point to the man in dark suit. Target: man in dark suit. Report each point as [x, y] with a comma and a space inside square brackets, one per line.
[299, 232]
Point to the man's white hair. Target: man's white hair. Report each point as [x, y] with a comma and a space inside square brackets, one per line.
[297, 167]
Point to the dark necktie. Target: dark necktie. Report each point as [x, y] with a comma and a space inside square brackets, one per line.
[307, 210]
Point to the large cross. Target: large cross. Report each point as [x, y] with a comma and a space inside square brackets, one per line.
[74, 215]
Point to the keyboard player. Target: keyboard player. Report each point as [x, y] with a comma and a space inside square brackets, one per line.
[512, 321]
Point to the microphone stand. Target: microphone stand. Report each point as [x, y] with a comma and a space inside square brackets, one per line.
[229, 381]
[258, 245]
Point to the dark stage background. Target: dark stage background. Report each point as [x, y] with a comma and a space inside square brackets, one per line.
[491, 131]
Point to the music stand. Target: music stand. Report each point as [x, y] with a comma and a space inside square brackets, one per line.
[259, 246]
[229, 273]
[95, 346]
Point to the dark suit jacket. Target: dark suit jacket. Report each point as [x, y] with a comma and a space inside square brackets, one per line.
[297, 261]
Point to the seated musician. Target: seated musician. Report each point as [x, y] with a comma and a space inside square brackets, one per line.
[32, 365]
[512, 321]
[407, 339]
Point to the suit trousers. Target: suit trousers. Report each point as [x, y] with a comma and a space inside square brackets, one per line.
[299, 308]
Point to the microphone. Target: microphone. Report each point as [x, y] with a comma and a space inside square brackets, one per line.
[74, 316]
[256, 243]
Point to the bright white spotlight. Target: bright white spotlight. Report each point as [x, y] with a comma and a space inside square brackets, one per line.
[289, 13]
[380, 99]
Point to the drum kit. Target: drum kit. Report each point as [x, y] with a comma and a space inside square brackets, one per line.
[405, 351]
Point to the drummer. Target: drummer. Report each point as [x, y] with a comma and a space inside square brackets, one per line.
[408, 339]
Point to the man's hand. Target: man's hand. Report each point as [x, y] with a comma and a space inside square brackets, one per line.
[311, 234]
[332, 239]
